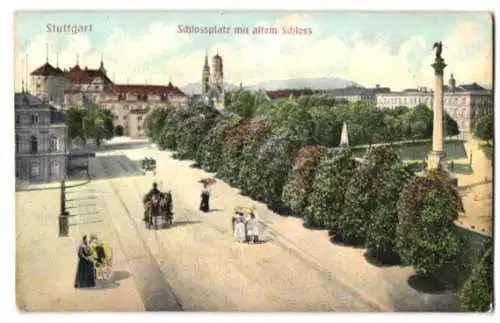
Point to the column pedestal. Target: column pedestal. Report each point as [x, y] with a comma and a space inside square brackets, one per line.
[437, 159]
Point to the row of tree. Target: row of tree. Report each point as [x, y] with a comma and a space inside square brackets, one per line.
[85, 124]
[282, 154]
[321, 118]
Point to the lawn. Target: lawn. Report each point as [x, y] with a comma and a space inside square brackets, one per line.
[420, 151]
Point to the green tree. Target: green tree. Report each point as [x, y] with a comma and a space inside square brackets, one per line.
[326, 201]
[75, 118]
[381, 229]
[362, 192]
[476, 294]
[426, 236]
[98, 124]
[451, 126]
[301, 178]
[154, 122]
[484, 128]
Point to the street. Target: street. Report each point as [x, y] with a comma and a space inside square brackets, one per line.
[196, 265]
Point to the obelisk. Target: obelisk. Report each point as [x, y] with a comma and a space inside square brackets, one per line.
[344, 138]
[437, 155]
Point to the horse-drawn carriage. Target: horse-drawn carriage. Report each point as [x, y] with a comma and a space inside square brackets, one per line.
[148, 165]
[159, 206]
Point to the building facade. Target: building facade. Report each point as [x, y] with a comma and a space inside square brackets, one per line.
[356, 93]
[40, 140]
[212, 82]
[465, 103]
[91, 88]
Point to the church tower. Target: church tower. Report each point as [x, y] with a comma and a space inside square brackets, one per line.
[218, 72]
[205, 78]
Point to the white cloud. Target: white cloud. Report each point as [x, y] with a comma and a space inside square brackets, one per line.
[251, 58]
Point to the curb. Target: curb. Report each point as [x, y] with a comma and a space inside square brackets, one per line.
[20, 189]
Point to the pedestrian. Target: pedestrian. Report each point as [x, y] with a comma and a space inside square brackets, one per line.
[239, 229]
[205, 198]
[252, 228]
[85, 273]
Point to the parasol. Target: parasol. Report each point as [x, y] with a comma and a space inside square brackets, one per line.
[208, 181]
[244, 209]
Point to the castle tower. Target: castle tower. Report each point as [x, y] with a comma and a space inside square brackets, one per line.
[205, 78]
[452, 83]
[218, 72]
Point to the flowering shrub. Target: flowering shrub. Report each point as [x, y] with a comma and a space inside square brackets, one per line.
[273, 162]
[300, 180]
[363, 191]
[258, 131]
[425, 236]
[231, 153]
[209, 154]
[326, 200]
[194, 130]
[381, 232]
[476, 294]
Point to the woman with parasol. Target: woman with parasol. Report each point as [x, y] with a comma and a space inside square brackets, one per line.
[205, 194]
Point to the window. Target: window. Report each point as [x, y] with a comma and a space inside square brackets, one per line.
[33, 145]
[53, 144]
[18, 149]
[139, 128]
[18, 119]
[38, 86]
[34, 119]
[34, 169]
[54, 169]
[139, 118]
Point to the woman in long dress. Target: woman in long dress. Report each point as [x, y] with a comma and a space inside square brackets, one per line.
[205, 198]
[85, 273]
[239, 229]
[252, 228]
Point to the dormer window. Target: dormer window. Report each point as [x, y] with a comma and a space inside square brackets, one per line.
[18, 119]
[122, 97]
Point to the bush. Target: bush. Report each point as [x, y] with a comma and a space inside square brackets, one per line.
[326, 200]
[426, 237]
[476, 295]
[259, 131]
[232, 153]
[273, 162]
[363, 191]
[301, 178]
[209, 154]
[195, 129]
[381, 230]
[484, 128]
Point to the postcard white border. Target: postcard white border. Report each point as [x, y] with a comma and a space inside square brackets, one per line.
[7, 303]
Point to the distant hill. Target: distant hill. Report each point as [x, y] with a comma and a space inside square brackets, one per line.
[319, 83]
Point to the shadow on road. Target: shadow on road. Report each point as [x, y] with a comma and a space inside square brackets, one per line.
[390, 261]
[182, 223]
[116, 166]
[113, 281]
[123, 145]
[428, 285]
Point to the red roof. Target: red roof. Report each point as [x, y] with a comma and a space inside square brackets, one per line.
[75, 75]
[144, 89]
[47, 70]
[281, 94]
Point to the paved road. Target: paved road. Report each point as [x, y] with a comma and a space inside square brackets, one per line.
[197, 265]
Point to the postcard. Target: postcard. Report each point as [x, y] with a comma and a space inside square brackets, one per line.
[259, 161]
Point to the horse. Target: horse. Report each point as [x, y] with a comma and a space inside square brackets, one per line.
[159, 206]
[166, 207]
[152, 211]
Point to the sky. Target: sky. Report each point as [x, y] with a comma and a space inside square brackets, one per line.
[391, 49]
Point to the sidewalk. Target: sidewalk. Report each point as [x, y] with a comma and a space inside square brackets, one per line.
[46, 264]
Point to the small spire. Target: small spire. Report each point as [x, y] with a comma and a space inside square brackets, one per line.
[47, 52]
[57, 60]
[102, 58]
[77, 59]
[22, 86]
[217, 50]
